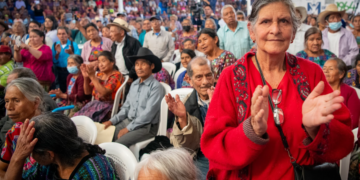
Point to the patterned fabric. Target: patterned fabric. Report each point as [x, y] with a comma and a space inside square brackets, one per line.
[352, 78]
[95, 51]
[10, 146]
[225, 59]
[181, 38]
[320, 60]
[71, 84]
[96, 110]
[113, 83]
[182, 80]
[93, 166]
[164, 76]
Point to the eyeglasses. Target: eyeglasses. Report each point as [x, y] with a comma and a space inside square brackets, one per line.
[278, 113]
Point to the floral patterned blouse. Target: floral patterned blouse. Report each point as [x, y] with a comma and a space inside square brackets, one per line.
[113, 83]
[225, 59]
[95, 51]
[320, 60]
[352, 78]
[164, 76]
[181, 38]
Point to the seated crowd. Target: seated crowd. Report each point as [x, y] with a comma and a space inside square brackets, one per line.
[308, 93]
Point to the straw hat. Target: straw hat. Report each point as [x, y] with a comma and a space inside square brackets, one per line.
[330, 9]
[303, 13]
[120, 23]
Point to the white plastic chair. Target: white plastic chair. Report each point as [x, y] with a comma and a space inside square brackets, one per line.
[124, 160]
[161, 131]
[119, 92]
[357, 91]
[177, 74]
[345, 162]
[170, 67]
[86, 128]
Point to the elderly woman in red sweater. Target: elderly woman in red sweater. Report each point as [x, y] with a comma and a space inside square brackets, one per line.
[240, 137]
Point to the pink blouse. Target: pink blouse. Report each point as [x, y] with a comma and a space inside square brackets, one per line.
[42, 66]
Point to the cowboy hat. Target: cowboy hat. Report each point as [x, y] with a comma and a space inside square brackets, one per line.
[303, 13]
[330, 9]
[120, 23]
[2, 23]
[145, 53]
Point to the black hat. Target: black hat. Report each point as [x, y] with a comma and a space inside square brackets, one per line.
[155, 17]
[145, 53]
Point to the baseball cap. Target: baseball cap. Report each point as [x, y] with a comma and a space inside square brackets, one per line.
[5, 49]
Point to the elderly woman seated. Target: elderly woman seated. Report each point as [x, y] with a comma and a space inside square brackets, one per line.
[52, 140]
[24, 99]
[170, 164]
[335, 70]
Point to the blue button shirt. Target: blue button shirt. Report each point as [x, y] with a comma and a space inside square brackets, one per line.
[142, 105]
[63, 56]
[238, 42]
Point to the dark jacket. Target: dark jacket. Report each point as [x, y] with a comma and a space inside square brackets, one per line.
[131, 47]
[77, 91]
[192, 106]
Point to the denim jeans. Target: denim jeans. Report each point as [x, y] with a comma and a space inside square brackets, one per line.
[202, 163]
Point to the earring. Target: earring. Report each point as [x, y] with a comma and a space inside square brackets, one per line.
[253, 41]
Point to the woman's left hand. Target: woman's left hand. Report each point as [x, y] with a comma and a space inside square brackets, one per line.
[91, 70]
[317, 109]
[25, 142]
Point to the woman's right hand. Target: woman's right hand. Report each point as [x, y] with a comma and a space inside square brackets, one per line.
[25, 142]
[260, 110]
[83, 71]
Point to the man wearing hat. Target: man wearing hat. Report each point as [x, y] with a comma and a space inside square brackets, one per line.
[337, 39]
[138, 119]
[159, 41]
[6, 66]
[123, 46]
[298, 44]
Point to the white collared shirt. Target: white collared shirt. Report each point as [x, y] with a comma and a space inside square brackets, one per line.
[119, 57]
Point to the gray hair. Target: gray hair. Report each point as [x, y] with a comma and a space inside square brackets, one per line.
[31, 89]
[258, 5]
[311, 31]
[227, 6]
[212, 20]
[23, 27]
[188, 20]
[67, 30]
[78, 59]
[24, 73]
[200, 61]
[239, 12]
[341, 66]
[173, 163]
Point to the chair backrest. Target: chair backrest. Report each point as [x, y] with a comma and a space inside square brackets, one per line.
[170, 67]
[345, 162]
[177, 74]
[162, 121]
[357, 91]
[86, 128]
[164, 108]
[124, 160]
[118, 94]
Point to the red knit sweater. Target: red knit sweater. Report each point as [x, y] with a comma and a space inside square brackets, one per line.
[229, 142]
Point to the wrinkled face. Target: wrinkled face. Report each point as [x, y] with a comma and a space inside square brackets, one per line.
[240, 17]
[273, 30]
[314, 43]
[229, 15]
[116, 33]
[332, 72]
[17, 27]
[207, 43]
[104, 64]
[62, 35]
[18, 107]
[202, 78]
[4, 58]
[356, 23]
[48, 23]
[146, 25]
[105, 32]
[189, 45]
[143, 68]
[185, 59]
[334, 18]
[84, 22]
[72, 62]
[92, 32]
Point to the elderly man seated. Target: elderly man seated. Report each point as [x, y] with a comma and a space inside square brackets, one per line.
[138, 119]
[190, 114]
[188, 44]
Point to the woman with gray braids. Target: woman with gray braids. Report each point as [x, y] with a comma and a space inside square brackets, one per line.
[272, 111]
[52, 140]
